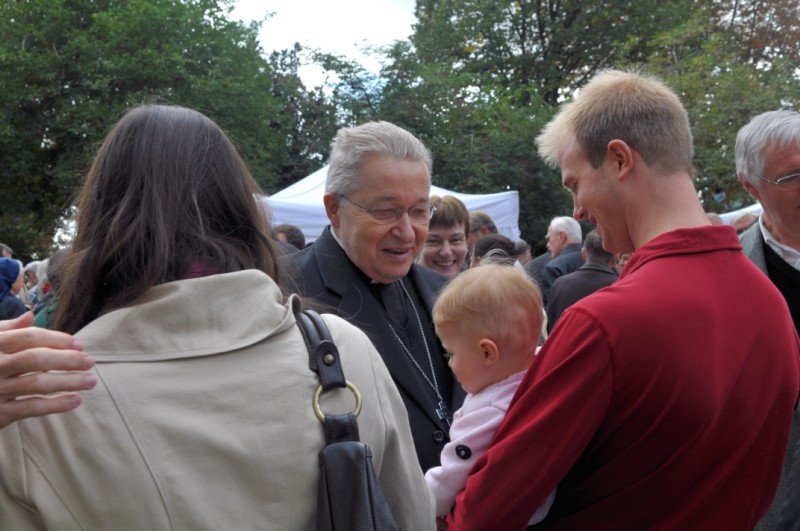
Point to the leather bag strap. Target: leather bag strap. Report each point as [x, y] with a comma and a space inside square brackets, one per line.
[324, 360]
[323, 356]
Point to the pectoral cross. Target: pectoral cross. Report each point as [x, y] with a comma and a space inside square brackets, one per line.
[445, 412]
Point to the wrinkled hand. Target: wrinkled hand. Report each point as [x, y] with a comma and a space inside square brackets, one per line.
[26, 356]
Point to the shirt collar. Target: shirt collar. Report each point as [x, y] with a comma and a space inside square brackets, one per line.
[788, 254]
[599, 267]
[336, 237]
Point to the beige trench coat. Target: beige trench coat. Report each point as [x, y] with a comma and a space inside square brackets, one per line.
[202, 419]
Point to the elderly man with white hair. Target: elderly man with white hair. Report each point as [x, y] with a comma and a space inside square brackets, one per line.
[31, 276]
[768, 166]
[564, 242]
[362, 267]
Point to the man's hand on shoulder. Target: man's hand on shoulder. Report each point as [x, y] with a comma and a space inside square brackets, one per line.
[27, 355]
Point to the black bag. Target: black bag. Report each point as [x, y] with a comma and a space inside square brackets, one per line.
[349, 496]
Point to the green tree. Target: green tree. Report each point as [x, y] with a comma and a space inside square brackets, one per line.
[482, 139]
[308, 118]
[724, 80]
[68, 69]
[552, 46]
[479, 79]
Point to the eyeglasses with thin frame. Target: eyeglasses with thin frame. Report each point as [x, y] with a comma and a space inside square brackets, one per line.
[787, 182]
[419, 215]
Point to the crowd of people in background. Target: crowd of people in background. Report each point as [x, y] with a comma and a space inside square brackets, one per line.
[641, 372]
[30, 287]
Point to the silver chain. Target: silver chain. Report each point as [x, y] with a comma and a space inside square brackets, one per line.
[434, 385]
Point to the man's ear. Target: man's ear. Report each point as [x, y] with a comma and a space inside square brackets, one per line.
[484, 230]
[332, 205]
[491, 354]
[621, 156]
[749, 187]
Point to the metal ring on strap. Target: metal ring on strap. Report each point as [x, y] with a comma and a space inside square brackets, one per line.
[318, 392]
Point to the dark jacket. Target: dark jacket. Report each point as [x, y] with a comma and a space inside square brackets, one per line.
[571, 288]
[535, 266]
[11, 307]
[785, 510]
[324, 273]
[568, 261]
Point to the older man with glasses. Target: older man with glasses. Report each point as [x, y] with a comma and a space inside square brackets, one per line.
[362, 268]
[768, 166]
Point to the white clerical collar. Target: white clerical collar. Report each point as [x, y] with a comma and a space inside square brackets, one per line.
[790, 255]
[335, 237]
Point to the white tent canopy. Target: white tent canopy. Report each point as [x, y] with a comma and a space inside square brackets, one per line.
[730, 217]
[301, 205]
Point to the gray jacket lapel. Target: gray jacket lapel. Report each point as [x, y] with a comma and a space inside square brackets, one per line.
[753, 246]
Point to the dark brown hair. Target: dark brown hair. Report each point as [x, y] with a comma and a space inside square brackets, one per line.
[450, 212]
[293, 235]
[166, 189]
[502, 247]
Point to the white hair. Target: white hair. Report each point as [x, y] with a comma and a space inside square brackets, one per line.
[32, 266]
[569, 226]
[354, 144]
[773, 128]
[41, 272]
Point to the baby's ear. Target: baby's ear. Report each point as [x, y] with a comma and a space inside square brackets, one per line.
[491, 354]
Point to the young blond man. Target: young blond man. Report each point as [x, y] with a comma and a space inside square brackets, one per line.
[662, 401]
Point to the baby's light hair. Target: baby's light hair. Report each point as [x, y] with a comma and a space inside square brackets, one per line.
[497, 301]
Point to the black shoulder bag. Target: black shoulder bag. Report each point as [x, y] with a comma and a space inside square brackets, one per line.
[349, 496]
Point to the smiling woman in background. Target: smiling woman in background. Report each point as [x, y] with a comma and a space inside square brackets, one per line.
[446, 245]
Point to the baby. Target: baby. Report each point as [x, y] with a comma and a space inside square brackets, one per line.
[488, 320]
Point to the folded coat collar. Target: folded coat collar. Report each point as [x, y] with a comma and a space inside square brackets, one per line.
[191, 318]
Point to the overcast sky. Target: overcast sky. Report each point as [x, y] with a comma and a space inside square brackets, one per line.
[342, 26]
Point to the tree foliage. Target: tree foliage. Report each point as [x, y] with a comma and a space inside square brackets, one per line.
[723, 82]
[476, 82]
[544, 46]
[482, 139]
[479, 78]
[68, 69]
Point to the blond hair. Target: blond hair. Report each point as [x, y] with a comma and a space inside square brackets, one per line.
[496, 301]
[638, 109]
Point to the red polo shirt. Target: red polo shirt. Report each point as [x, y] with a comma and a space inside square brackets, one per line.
[663, 401]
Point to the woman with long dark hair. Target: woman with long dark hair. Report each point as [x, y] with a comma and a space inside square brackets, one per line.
[201, 417]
